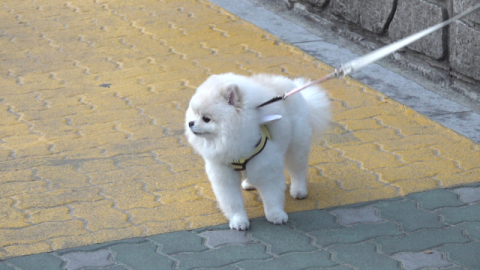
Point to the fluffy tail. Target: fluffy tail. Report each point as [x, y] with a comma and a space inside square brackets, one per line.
[319, 107]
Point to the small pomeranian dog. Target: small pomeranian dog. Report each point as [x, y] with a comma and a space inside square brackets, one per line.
[237, 139]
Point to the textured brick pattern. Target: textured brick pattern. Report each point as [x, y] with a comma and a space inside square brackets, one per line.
[317, 239]
[91, 121]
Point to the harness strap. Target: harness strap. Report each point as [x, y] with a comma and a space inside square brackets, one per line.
[241, 164]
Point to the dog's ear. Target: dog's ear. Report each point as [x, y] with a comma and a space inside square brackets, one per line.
[232, 95]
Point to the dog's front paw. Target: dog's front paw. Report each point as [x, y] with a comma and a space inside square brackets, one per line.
[298, 193]
[279, 217]
[239, 223]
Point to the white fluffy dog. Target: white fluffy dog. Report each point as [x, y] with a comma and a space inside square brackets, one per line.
[225, 126]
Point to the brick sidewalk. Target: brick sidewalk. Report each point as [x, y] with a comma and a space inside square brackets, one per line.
[91, 122]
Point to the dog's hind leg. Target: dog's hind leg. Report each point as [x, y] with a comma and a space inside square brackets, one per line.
[247, 186]
[296, 161]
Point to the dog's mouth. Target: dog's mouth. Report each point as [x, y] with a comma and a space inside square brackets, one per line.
[201, 134]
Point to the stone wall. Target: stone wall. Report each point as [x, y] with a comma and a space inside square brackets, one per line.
[453, 51]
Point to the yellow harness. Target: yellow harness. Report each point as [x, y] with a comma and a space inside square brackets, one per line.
[241, 164]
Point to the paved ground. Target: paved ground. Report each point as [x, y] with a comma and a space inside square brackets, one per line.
[92, 151]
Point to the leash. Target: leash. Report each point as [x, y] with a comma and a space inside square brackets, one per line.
[373, 56]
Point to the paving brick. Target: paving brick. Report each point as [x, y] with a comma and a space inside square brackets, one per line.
[221, 256]
[468, 194]
[463, 255]
[38, 261]
[418, 170]
[141, 256]
[100, 215]
[41, 232]
[81, 260]
[292, 261]
[102, 95]
[408, 215]
[89, 248]
[355, 234]
[472, 229]
[434, 199]
[290, 241]
[3, 266]
[420, 241]
[421, 260]
[182, 241]
[313, 220]
[362, 256]
[462, 214]
[216, 238]
[348, 217]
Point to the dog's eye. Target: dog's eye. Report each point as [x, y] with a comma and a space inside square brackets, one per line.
[206, 119]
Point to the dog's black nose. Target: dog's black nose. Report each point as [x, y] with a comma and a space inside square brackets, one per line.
[191, 123]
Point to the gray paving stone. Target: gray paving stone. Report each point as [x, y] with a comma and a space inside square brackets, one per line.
[182, 241]
[222, 256]
[434, 199]
[292, 261]
[355, 234]
[464, 255]
[141, 256]
[79, 260]
[37, 261]
[348, 217]
[472, 229]
[462, 214]
[420, 241]
[313, 220]
[282, 238]
[408, 215]
[421, 260]
[468, 194]
[225, 237]
[363, 256]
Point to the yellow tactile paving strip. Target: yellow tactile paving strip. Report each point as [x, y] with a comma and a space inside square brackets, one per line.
[92, 104]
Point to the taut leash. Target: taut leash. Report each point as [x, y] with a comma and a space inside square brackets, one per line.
[373, 56]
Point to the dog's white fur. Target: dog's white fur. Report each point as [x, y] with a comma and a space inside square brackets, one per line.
[223, 124]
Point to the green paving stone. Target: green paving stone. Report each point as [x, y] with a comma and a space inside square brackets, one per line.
[115, 267]
[363, 256]
[289, 240]
[220, 257]
[37, 261]
[462, 214]
[435, 199]
[292, 261]
[3, 266]
[137, 240]
[408, 215]
[472, 229]
[355, 234]
[183, 241]
[337, 267]
[141, 256]
[464, 255]
[314, 220]
[221, 268]
[421, 240]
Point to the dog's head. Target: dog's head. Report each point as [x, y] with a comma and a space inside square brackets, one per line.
[213, 110]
